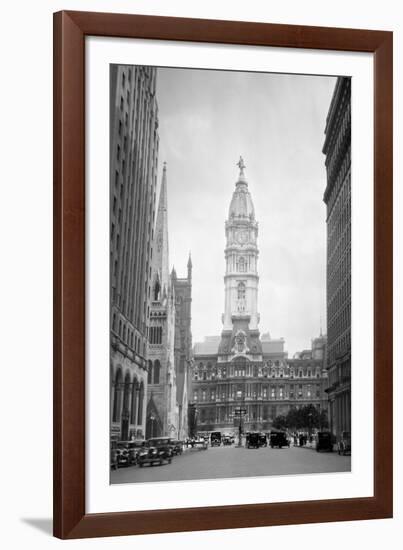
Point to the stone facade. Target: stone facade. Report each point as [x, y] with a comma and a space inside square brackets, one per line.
[183, 345]
[162, 408]
[337, 148]
[133, 180]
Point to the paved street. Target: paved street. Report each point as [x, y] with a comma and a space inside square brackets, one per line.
[226, 462]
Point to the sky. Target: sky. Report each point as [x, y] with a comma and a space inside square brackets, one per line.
[207, 119]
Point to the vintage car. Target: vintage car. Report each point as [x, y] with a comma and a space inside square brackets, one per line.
[163, 443]
[344, 443]
[154, 455]
[177, 446]
[132, 448]
[324, 441]
[262, 440]
[215, 439]
[114, 455]
[253, 440]
[227, 439]
[122, 453]
[279, 439]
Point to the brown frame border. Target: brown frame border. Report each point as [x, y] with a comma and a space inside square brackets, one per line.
[70, 30]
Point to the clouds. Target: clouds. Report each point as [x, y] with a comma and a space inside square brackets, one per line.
[209, 118]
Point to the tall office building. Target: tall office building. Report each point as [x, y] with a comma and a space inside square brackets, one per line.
[337, 148]
[133, 179]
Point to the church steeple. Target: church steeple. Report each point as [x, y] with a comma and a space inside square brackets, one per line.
[160, 274]
[190, 267]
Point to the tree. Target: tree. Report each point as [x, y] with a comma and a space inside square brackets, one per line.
[323, 420]
[280, 422]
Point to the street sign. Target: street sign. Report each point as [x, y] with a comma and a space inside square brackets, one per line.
[240, 411]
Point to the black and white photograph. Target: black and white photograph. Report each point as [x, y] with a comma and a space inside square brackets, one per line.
[230, 274]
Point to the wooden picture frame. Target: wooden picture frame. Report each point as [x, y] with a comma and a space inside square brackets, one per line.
[70, 517]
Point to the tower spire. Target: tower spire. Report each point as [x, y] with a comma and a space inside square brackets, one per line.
[161, 252]
[190, 266]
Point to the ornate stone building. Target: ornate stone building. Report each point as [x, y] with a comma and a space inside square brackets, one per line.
[183, 345]
[337, 148]
[133, 180]
[162, 408]
[241, 370]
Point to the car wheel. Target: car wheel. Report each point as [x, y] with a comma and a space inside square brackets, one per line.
[317, 449]
[141, 464]
[169, 460]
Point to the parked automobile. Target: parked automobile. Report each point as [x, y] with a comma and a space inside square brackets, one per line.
[344, 443]
[215, 439]
[132, 448]
[200, 443]
[279, 439]
[324, 441]
[154, 455]
[114, 455]
[163, 443]
[253, 440]
[262, 440]
[227, 439]
[177, 446]
[122, 453]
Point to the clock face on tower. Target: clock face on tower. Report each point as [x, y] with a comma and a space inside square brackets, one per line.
[242, 237]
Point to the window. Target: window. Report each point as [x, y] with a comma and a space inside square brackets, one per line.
[241, 291]
[157, 368]
[241, 265]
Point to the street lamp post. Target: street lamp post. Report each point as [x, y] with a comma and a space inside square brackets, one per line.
[240, 411]
[152, 418]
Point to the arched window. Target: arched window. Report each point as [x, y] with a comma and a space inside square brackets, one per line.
[117, 394]
[241, 291]
[140, 405]
[126, 394]
[157, 288]
[134, 402]
[157, 368]
[241, 264]
[150, 372]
